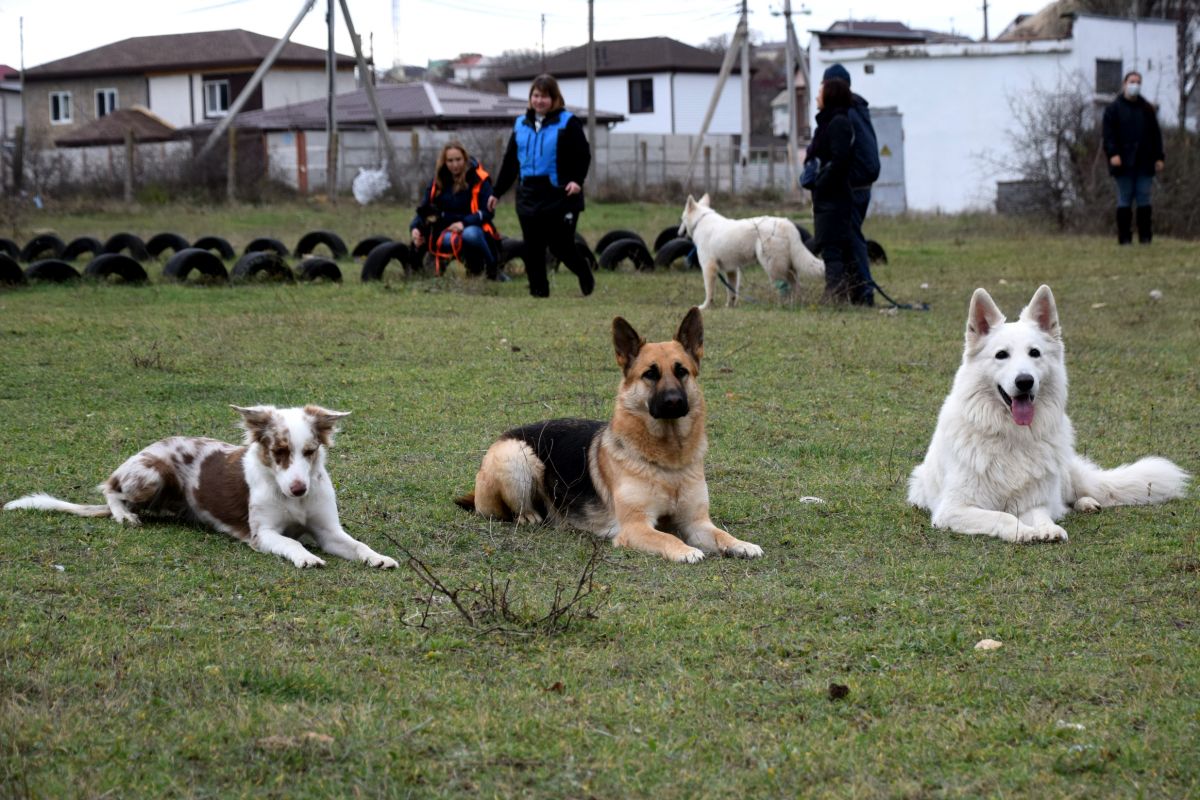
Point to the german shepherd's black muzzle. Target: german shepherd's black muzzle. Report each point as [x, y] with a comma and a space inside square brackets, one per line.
[669, 404]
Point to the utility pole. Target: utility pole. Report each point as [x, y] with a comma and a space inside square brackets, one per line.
[985, 20]
[790, 65]
[744, 150]
[330, 113]
[543, 42]
[591, 82]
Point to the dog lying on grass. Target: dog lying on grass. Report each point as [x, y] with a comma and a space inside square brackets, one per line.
[265, 493]
[1002, 461]
[631, 479]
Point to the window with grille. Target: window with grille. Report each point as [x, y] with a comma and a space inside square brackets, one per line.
[1108, 76]
[641, 95]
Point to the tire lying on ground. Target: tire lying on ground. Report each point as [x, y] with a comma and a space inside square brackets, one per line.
[319, 268]
[262, 266]
[383, 255]
[365, 246]
[309, 242]
[9, 248]
[120, 242]
[51, 270]
[222, 247]
[207, 263]
[115, 265]
[81, 245]
[666, 235]
[265, 244]
[672, 251]
[41, 245]
[614, 236]
[875, 252]
[10, 271]
[627, 249]
[166, 241]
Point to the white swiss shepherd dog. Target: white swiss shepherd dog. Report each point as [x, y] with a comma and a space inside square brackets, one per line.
[1002, 461]
[726, 245]
[266, 493]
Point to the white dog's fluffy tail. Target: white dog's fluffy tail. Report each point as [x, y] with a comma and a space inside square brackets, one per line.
[804, 262]
[1146, 481]
[44, 502]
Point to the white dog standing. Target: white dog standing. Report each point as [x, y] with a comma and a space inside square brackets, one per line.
[726, 245]
[1002, 461]
[265, 493]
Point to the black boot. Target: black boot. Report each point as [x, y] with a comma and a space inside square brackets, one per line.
[1145, 223]
[1124, 225]
[837, 289]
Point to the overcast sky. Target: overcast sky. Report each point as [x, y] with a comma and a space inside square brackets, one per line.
[427, 29]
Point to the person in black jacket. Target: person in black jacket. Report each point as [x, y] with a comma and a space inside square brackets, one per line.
[862, 175]
[549, 155]
[833, 203]
[454, 220]
[1134, 146]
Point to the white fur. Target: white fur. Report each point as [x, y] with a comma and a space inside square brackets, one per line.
[985, 473]
[726, 245]
[282, 502]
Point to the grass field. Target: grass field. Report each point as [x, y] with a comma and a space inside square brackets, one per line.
[166, 661]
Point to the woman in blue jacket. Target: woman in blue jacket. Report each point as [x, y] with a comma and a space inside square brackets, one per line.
[455, 220]
[548, 157]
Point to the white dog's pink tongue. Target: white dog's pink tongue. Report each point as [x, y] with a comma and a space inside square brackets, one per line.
[1022, 410]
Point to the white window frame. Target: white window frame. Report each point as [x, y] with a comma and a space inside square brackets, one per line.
[64, 108]
[209, 111]
[107, 98]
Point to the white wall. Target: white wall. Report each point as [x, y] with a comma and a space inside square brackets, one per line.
[169, 99]
[281, 87]
[688, 93]
[956, 99]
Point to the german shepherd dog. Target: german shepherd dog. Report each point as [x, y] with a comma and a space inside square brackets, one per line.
[631, 479]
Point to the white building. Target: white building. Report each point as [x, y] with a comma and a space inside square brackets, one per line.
[661, 85]
[955, 98]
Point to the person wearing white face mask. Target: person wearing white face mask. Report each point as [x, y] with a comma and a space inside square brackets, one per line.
[1134, 145]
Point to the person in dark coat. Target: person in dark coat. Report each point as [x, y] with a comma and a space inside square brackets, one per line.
[548, 157]
[833, 203]
[453, 219]
[1134, 145]
[861, 179]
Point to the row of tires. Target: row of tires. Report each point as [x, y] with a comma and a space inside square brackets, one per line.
[204, 264]
[48, 245]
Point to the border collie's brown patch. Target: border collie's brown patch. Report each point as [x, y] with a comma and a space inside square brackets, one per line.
[223, 491]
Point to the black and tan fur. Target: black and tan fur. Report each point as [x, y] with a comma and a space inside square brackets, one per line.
[637, 479]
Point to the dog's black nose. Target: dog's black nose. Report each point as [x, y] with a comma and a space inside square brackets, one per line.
[298, 488]
[671, 404]
[1024, 382]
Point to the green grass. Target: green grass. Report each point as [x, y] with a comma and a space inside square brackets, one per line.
[167, 661]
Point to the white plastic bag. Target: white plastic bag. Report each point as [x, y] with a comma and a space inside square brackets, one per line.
[369, 185]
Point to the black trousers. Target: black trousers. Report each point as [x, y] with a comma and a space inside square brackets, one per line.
[556, 232]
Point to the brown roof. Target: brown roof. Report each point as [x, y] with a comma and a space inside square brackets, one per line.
[111, 129]
[621, 56]
[402, 104]
[181, 52]
[8, 73]
[848, 33]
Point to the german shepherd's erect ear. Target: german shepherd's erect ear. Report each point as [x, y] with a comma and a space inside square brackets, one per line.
[626, 342]
[691, 334]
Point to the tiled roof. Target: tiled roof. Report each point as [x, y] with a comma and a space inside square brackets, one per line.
[622, 56]
[401, 104]
[181, 52]
[111, 129]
